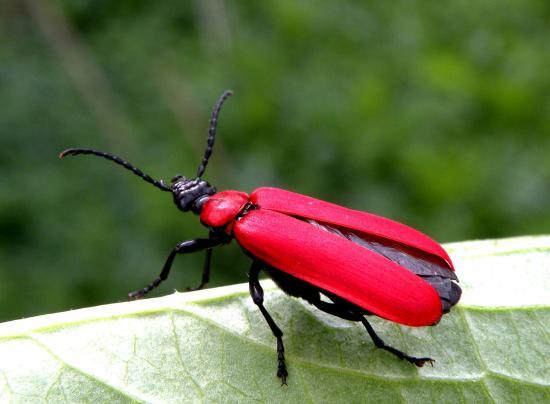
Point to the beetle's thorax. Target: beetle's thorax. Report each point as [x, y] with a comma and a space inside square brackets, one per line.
[222, 209]
[190, 194]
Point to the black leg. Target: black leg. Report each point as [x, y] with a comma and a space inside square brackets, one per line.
[257, 294]
[337, 310]
[205, 272]
[348, 313]
[401, 355]
[185, 247]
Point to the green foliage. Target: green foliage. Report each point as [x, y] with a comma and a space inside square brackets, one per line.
[214, 345]
[435, 114]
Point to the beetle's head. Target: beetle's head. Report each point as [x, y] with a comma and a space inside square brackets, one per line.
[190, 194]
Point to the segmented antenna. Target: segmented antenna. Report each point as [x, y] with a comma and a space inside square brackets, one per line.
[212, 131]
[118, 160]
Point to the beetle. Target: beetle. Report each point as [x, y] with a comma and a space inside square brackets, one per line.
[345, 262]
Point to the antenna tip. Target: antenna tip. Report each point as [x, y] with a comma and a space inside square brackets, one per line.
[67, 152]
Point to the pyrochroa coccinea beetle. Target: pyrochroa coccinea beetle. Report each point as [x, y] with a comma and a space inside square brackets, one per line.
[345, 262]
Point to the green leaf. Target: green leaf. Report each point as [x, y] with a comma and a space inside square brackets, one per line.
[214, 345]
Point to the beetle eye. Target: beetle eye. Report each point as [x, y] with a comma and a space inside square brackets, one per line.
[177, 177]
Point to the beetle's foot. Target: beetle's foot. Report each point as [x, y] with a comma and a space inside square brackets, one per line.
[138, 294]
[201, 286]
[419, 362]
[281, 366]
[282, 374]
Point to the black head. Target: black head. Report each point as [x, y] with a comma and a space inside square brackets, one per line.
[189, 194]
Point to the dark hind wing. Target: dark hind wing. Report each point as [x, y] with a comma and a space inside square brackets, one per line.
[429, 268]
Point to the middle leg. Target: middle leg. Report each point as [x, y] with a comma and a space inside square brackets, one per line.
[257, 294]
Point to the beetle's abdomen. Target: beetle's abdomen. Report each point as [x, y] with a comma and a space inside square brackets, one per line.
[222, 208]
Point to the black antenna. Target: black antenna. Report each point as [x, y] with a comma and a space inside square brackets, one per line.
[212, 131]
[75, 152]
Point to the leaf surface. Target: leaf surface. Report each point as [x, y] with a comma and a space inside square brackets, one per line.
[213, 345]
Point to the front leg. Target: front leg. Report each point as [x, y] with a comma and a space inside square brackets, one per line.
[185, 247]
[257, 294]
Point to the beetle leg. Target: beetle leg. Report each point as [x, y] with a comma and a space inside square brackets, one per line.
[185, 247]
[257, 294]
[336, 310]
[401, 355]
[352, 315]
[205, 272]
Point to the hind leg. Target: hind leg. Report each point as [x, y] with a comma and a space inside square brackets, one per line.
[354, 314]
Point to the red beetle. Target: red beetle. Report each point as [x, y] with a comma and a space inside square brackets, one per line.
[360, 263]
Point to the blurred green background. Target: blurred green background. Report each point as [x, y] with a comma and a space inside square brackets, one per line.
[433, 113]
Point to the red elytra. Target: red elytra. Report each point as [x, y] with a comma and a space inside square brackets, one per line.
[275, 232]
